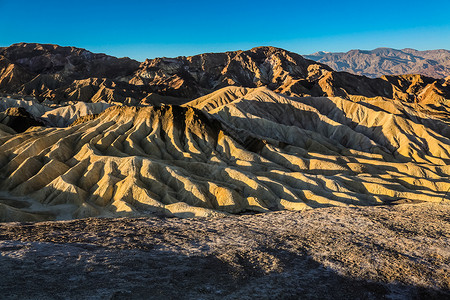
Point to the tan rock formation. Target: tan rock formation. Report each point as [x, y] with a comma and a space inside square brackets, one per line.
[53, 115]
[249, 150]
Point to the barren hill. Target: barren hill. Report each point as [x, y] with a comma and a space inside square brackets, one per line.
[387, 61]
[317, 183]
[70, 74]
[45, 114]
[234, 151]
[270, 131]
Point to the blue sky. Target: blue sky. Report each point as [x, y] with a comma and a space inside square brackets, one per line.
[147, 29]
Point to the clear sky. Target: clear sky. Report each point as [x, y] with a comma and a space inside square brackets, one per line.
[147, 29]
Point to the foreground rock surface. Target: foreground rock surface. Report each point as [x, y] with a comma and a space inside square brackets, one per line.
[389, 252]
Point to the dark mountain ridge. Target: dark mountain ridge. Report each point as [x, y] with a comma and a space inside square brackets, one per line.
[74, 62]
[62, 74]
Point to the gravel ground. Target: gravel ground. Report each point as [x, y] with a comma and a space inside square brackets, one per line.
[381, 252]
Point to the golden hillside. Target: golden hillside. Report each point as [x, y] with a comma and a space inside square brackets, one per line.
[233, 151]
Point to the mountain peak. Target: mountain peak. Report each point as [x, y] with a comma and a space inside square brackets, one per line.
[267, 49]
[72, 74]
[387, 61]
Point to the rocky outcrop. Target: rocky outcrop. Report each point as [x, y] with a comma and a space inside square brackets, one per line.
[69, 62]
[63, 74]
[281, 71]
[197, 75]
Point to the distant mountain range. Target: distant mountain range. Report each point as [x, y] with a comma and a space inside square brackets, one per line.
[61, 74]
[387, 61]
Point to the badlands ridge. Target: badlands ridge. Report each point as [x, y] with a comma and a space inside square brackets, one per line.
[236, 150]
[334, 185]
[89, 135]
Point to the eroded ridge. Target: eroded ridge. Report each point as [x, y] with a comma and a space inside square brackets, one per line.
[234, 151]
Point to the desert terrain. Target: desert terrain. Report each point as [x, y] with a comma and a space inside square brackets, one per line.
[244, 174]
[378, 252]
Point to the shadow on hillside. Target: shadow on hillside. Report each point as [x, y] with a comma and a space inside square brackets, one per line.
[311, 121]
[435, 125]
[343, 134]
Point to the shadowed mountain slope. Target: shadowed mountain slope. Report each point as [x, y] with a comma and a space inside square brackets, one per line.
[234, 151]
[18, 119]
[64, 73]
[68, 61]
[72, 74]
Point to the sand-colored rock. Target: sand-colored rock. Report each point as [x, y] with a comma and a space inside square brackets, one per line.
[234, 151]
[32, 106]
[53, 115]
[66, 115]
